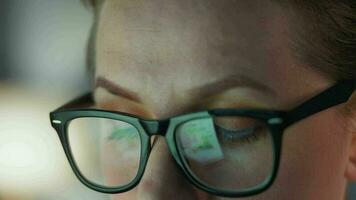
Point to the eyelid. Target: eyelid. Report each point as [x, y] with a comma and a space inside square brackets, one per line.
[244, 136]
[236, 122]
[237, 102]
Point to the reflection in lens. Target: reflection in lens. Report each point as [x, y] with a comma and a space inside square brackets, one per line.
[229, 153]
[106, 151]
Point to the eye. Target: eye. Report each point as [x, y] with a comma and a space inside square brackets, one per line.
[239, 129]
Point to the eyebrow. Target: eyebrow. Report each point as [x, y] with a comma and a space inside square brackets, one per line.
[115, 89]
[214, 88]
[230, 82]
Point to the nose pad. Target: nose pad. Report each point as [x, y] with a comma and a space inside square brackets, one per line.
[162, 178]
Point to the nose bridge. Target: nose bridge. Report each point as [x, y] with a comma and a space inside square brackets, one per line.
[155, 127]
[162, 179]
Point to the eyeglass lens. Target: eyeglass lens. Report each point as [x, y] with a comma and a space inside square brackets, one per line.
[228, 153]
[107, 152]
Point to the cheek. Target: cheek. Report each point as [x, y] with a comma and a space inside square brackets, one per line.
[119, 163]
[313, 158]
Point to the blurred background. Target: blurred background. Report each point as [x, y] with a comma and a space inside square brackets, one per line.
[42, 65]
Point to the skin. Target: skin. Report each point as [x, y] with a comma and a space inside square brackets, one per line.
[164, 53]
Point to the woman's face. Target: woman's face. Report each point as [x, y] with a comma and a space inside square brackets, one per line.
[180, 56]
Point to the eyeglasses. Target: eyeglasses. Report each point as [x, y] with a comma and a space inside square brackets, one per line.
[225, 152]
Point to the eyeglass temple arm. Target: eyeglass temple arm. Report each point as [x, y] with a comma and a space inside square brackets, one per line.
[336, 94]
[83, 101]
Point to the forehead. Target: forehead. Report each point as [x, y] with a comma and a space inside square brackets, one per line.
[204, 35]
[175, 45]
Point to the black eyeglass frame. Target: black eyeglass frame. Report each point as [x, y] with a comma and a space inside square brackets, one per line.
[277, 122]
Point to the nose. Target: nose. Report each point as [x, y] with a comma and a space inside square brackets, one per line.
[162, 178]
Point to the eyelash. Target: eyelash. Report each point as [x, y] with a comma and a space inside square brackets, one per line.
[241, 135]
[233, 136]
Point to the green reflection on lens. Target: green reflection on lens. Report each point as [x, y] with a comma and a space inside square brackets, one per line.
[200, 142]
